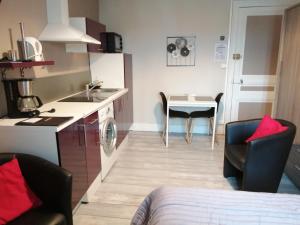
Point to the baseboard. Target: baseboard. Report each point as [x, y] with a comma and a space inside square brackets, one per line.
[175, 128]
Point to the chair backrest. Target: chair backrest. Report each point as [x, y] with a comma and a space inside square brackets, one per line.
[55, 198]
[164, 102]
[218, 99]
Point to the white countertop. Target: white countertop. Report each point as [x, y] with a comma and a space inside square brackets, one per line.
[77, 110]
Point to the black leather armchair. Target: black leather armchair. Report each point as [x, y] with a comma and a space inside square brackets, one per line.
[261, 162]
[52, 184]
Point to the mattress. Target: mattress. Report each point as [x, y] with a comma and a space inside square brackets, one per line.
[191, 206]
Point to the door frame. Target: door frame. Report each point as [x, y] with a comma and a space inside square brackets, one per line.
[233, 27]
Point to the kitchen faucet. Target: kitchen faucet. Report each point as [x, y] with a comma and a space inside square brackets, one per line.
[92, 85]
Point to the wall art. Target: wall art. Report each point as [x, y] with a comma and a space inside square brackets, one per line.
[181, 51]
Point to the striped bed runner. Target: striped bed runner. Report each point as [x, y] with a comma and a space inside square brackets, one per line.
[191, 206]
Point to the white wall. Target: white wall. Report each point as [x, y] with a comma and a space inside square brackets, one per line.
[144, 25]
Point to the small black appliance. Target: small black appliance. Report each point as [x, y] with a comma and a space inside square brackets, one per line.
[111, 42]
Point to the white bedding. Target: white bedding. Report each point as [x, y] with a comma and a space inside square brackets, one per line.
[191, 206]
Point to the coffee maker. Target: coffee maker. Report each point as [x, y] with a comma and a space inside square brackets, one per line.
[21, 103]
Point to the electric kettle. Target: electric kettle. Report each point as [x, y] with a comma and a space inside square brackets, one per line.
[34, 49]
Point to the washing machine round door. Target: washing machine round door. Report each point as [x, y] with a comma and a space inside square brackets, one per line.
[109, 136]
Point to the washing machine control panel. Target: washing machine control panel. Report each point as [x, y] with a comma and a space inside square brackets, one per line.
[106, 112]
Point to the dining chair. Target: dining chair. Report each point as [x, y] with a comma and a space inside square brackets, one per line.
[210, 113]
[174, 114]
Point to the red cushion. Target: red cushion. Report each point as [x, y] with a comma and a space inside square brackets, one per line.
[15, 195]
[267, 127]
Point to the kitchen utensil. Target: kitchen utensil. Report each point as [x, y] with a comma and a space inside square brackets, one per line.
[171, 47]
[23, 52]
[49, 111]
[184, 52]
[12, 55]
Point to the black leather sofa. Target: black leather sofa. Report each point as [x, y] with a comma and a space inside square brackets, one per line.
[259, 163]
[52, 184]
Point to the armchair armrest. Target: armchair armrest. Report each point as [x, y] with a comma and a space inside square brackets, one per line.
[270, 149]
[50, 182]
[266, 158]
[238, 132]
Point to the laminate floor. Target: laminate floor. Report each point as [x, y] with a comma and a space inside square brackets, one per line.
[145, 164]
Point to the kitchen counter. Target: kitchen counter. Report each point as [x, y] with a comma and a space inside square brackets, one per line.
[42, 140]
[76, 110]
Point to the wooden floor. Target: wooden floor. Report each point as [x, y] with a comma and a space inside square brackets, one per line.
[146, 164]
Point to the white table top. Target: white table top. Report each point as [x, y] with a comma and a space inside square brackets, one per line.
[189, 100]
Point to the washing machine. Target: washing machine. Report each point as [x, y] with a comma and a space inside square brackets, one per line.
[108, 139]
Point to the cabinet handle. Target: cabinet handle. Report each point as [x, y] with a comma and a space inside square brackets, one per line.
[94, 121]
[297, 167]
[97, 137]
[79, 134]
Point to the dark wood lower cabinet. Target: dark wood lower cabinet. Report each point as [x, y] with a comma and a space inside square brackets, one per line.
[92, 145]
[120, 119]
[128, 84]
[123, 116]
[79, 153]
[73, 158]
[123, 106]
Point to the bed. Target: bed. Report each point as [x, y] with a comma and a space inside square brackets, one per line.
[191, 206]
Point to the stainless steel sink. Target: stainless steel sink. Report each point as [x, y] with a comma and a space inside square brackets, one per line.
[105, 90]
[95, 95]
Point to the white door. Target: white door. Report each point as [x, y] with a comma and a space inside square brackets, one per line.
[255, 52]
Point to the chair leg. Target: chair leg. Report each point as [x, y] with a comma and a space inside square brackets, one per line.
[229, 170]
[210, 126]
[190, 130]
[187, 122]
[164, 128]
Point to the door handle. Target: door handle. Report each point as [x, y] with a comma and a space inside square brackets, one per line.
[240, 83]
[236, 56]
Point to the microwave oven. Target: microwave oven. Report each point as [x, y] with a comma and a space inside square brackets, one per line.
[111, 42]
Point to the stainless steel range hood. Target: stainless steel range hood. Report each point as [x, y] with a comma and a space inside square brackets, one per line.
[58, 28]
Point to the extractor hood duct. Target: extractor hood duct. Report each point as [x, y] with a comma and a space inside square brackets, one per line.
[58, 28]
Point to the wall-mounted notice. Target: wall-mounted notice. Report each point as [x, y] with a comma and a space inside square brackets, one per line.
[220, 51]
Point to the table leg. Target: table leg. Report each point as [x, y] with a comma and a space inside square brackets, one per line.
[214, 128]
[167, 125]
